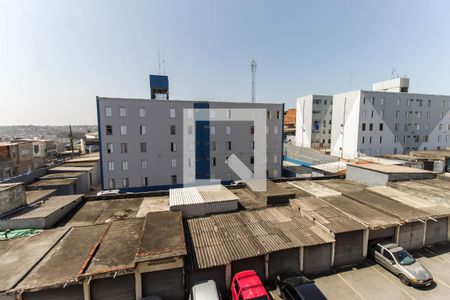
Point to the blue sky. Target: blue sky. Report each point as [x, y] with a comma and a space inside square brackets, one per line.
[56, 56]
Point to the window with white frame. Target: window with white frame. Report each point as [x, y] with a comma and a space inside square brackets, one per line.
[275, 159]
[212, 130]
[145, 181]
[275, 129]
[173, 147]
[125, 182]
[172, 113]
[110, 166]
[109, 148]
[144, 164]
[228, 130]
[108, 111]
[173, 163]
[142, 112]
[142, 130]
[124, 165]
[123, 129]
[111, 183]
[122, 112]
[123, 148]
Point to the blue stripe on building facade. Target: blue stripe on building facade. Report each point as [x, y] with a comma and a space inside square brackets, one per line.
[100, 143]
[202, 147]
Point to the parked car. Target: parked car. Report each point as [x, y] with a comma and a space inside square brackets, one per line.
[204, 290]
[246, 285]
[238, 183]
[110, 192]
[295, 286]
[398, 261]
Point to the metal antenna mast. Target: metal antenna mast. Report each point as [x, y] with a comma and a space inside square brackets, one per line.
[253, 68]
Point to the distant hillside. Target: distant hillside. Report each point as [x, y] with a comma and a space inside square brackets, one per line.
[30, 131]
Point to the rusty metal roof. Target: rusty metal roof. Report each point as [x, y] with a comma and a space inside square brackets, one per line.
[221, 239]
[327, 215]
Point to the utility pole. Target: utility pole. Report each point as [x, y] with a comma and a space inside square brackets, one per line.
[253, 68]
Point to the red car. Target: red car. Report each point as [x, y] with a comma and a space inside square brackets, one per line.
[246, 285]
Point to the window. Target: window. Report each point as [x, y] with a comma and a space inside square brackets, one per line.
[141, 112]
[417, 126]
[213, 146]
[399, 101]
[125, 182]
[442, 103]
[172, 113]
[174, 179]
[275, 157]
[109, 130]
[252, 130]
[142, 130]
[253, 144]
[269, 114]
[228, 113]
[122, 112]
[275, 129]
[381, 126]
[228, 130]
[173, 163]
[427, 126]
[124, 165]
[362, 141]
[145, 181]
[381, 114]
[213, 161]
[252, 160]
[382, 101]
[275, 173]
[111, 183]
[278, 112]
[442, 115]
[381, 139]
[371, 114]
[429, 103]
[428, 114]
[395, 139]
[373, 100]
[370, 127]
[123, 148]
[363, 126]
[109, 148]
[143, 147]
[228, 145]
[123, 129]
[370, 140]
[364, 113]
[439, 138]
[144, 164]
[419, 114]
[397, 114]
[173, 147]
[212, 130]
[110, 166]
[108, 111]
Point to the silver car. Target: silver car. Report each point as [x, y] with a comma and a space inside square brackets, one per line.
[205, 290]
[402, 264]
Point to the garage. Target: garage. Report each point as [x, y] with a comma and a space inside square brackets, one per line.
[253, 263]
[436, 231]
[411, 235]
[382, 234]
[348, 248]
[69, 293]
[282, 262]
[215, 273]
[167, 284]
[122, 287]
[317, 259]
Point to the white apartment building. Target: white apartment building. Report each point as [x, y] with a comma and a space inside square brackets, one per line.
[388, 120]
[141, 142]
[313, 121]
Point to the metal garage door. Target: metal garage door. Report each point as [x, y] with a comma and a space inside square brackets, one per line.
[436, 231]
[411, 235]
[387, 233]
[317, 259]
[254, 263]
[282, 262]
[348, 248]
[69, 293]
[121, 287]
[167, 284]
[217, 274]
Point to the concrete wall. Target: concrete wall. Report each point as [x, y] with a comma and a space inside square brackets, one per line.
[411, 235]
[12, 198]
[348, 248]
[168, 284]
[365, 176]
[317, 259]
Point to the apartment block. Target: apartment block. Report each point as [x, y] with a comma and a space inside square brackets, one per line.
[314, 114]
[141, 142]
[388, 120]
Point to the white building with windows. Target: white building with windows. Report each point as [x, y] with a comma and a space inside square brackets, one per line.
[388, 120]
[313, 121]
[141, 142]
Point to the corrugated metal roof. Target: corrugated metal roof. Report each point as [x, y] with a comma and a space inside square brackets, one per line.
[314, 189]
[200, 194]
[221, 239]
[44, 209]
[327, 215]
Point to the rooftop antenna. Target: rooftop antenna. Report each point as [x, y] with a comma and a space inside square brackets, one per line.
[393, 72]
[159, 63]
[253, 68]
